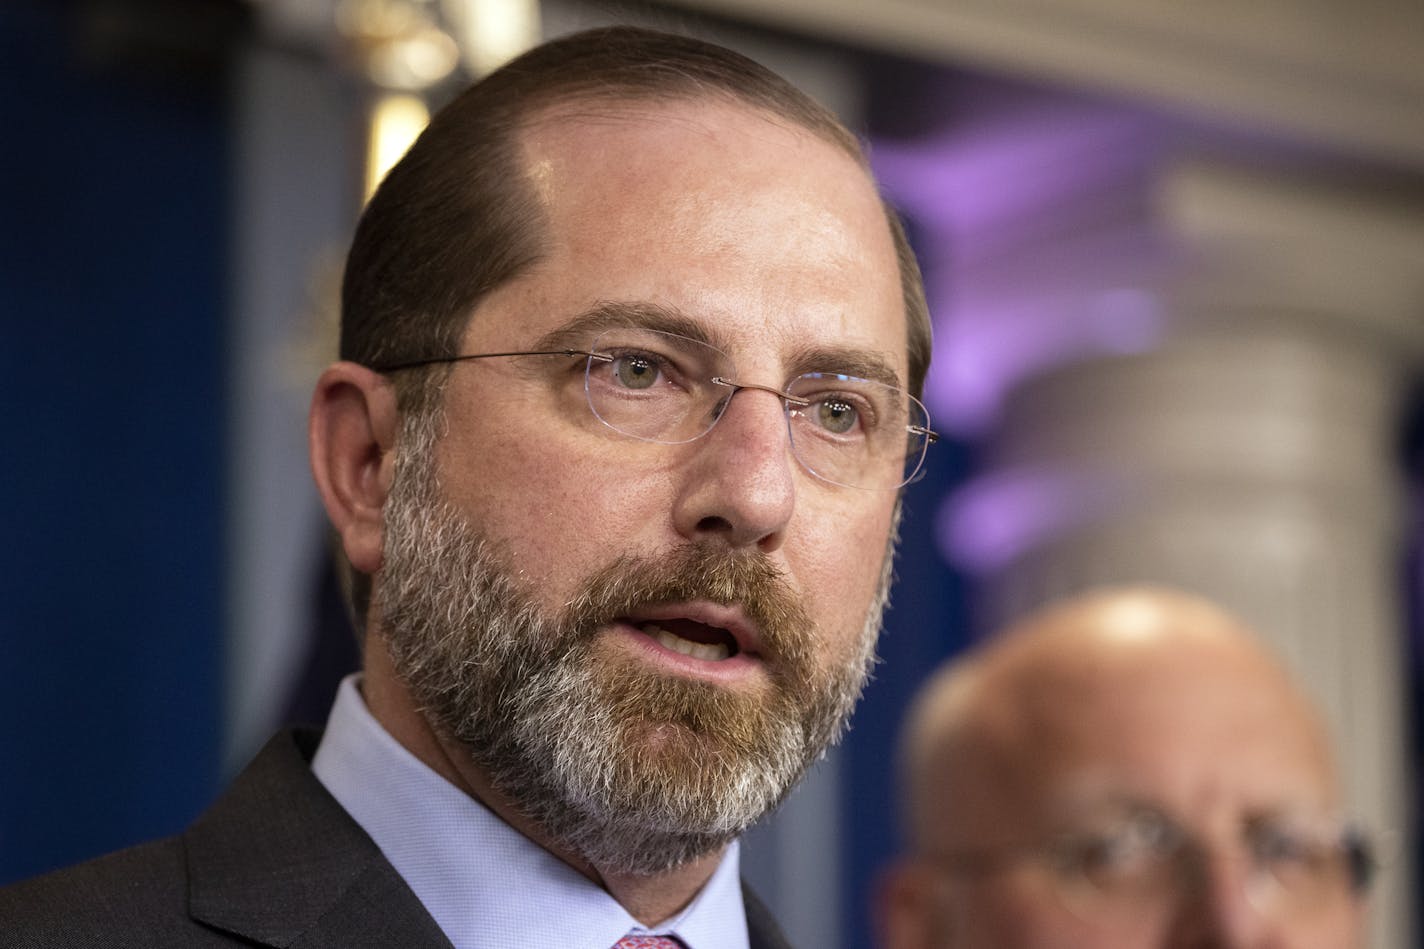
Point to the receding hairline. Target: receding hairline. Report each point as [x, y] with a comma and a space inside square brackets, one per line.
[594, 102]
[669, 68]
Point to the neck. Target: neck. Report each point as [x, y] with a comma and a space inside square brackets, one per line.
[648, 899]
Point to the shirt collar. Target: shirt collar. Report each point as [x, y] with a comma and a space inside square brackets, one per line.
[485, 883]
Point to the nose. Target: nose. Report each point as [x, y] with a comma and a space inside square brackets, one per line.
[739, 485]
[1216, 911]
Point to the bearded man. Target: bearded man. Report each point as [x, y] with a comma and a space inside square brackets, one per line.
[630, 350]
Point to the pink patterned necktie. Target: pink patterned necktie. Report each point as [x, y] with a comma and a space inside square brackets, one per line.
[648, 942]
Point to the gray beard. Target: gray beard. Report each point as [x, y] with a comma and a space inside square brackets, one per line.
[635, 771]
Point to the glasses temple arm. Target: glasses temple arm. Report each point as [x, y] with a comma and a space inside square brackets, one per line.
[437, 360]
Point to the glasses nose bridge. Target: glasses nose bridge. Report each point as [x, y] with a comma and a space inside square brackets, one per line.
[1225, 876]
[787, 400]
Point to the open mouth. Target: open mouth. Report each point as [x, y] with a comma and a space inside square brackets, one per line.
[691, 638]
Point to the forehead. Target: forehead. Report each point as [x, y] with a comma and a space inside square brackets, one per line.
[1196, 736]
[767, 233]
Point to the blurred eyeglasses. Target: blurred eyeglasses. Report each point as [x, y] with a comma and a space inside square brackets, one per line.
[1123, 868]
[670, 389]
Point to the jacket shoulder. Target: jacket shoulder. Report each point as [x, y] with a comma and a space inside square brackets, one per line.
[134, 897]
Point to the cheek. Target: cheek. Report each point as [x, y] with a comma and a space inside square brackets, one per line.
[836, 553]
[1344, 926]
[564, 506]
[1008, 911]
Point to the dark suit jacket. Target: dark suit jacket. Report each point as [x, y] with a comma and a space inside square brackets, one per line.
[275, 862]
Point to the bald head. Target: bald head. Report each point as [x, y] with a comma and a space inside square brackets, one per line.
[1122, 702]
[1118, 669]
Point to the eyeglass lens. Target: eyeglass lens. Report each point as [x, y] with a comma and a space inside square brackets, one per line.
[660, 387]
[1144, 862]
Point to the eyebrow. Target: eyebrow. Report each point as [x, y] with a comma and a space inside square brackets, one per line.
[1076, 808]
[622, 315]
[845, 361]
[607, 315]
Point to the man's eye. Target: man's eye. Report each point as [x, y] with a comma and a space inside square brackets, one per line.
[1105, 857]
[836, 415]
[1279, 846]
[839, 413]
[1285, 854]
[635, 370]
[1127, 855]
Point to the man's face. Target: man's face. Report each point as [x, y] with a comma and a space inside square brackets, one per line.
[730, 592]
[1101, 772]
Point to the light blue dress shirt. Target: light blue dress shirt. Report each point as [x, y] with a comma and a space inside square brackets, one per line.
[486, 884]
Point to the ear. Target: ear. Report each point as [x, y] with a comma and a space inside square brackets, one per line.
[351, 433]
[906, 911]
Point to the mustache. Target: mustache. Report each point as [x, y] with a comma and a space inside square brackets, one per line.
[745, 579]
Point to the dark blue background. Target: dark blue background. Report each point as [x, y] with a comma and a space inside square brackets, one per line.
[111, 470]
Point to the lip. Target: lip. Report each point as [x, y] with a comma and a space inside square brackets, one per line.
[734, 670]
[731, 618]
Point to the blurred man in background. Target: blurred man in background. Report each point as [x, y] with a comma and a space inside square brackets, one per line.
[1127, 770]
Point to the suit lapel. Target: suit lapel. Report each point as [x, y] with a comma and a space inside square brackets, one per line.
[277, 861]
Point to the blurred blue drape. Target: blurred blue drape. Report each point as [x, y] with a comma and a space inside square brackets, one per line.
[112, 258]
